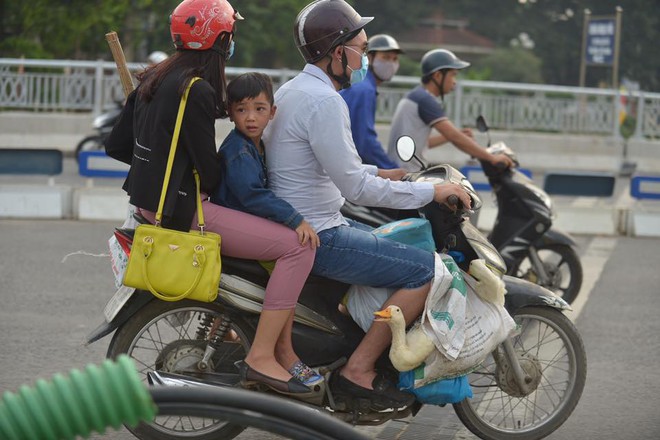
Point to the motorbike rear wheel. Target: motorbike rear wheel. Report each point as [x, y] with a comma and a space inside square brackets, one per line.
[552, 355]
[172, 337]
[561, 264]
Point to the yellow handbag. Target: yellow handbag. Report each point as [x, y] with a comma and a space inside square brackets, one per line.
[174, 265]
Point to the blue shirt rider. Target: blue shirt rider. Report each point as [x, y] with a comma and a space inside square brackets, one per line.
[361, 98]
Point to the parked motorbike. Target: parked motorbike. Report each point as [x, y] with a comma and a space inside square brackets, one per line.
[523, 234]
[525, 389]
[103, 124]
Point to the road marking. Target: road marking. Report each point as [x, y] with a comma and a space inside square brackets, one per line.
[593, 261]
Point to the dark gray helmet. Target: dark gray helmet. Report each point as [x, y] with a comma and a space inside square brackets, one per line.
[324, 24]
[383, 43]
[438, 59]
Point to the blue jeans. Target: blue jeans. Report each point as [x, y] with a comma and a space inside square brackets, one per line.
[353, 255]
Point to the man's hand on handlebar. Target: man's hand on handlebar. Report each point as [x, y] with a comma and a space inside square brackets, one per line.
[393, 174]
[452, 195]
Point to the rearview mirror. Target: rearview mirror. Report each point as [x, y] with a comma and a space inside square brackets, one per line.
[481, 124]
[405, 148]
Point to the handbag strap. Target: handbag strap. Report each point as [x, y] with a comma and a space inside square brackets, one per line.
[170, 162]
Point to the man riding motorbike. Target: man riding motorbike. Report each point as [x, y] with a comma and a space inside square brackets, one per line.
[313, 165]
[419, 111]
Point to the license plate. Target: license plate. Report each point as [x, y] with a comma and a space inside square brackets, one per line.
[119, 260]
[117, 302]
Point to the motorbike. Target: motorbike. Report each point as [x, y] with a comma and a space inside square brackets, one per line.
[103, 124]
[525, 389]
[522, 233]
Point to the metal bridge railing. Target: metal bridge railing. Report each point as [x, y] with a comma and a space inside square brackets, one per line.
[92, 86]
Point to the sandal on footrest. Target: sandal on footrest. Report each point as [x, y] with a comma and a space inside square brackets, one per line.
[305, 374]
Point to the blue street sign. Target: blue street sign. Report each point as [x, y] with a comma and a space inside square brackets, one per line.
[600, 41]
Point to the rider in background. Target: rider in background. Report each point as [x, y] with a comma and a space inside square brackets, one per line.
[313, 165]
[383, 53]
[419, 112]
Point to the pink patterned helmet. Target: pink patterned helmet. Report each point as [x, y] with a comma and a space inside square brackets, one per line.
[196, 24]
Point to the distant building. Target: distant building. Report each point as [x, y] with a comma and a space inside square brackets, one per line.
[452, 34]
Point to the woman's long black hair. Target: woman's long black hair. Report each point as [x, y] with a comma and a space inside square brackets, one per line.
[208, 64]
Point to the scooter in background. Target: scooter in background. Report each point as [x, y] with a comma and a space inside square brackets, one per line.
[522, 233]
[103, 124]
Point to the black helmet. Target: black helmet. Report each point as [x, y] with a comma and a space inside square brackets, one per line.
[324, 24]
[438, 59]
[383, 43]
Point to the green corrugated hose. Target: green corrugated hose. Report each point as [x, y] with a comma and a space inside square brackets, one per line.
[111, 394]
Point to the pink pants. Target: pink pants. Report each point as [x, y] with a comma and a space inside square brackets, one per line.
[255, 238]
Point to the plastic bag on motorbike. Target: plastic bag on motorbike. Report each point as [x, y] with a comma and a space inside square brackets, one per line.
[363, 301]
[413, 231]
[485, 326]
[118, 260]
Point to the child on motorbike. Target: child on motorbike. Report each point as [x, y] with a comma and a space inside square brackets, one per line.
[243, 187]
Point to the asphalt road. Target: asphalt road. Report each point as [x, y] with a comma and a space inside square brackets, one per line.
[55, 280]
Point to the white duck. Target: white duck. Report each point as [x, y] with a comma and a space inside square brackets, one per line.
[408, 350]
[489, 286]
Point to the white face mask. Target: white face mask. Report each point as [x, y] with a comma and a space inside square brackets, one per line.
[385, 70]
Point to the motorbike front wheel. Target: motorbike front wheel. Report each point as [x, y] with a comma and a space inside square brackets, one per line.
[90, 143]
[552, 356]
[562, 266]
[172, 337]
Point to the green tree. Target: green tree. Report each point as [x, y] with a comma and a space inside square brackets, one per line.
[76, 28]
[265, 37]
[556, 27]
[512, 65]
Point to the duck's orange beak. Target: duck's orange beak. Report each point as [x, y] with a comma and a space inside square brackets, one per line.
[383, 315]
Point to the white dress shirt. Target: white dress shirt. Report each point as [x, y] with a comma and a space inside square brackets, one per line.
[312, 161]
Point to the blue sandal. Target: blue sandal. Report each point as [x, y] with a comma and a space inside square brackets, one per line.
[305, 374]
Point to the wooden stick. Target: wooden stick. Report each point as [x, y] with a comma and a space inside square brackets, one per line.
[118, 54]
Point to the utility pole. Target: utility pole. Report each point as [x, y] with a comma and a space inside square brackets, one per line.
[617, 47]
[583, 61]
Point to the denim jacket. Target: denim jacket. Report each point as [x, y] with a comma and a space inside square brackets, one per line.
[244, 186]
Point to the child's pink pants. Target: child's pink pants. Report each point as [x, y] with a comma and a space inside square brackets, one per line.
[255, 238]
